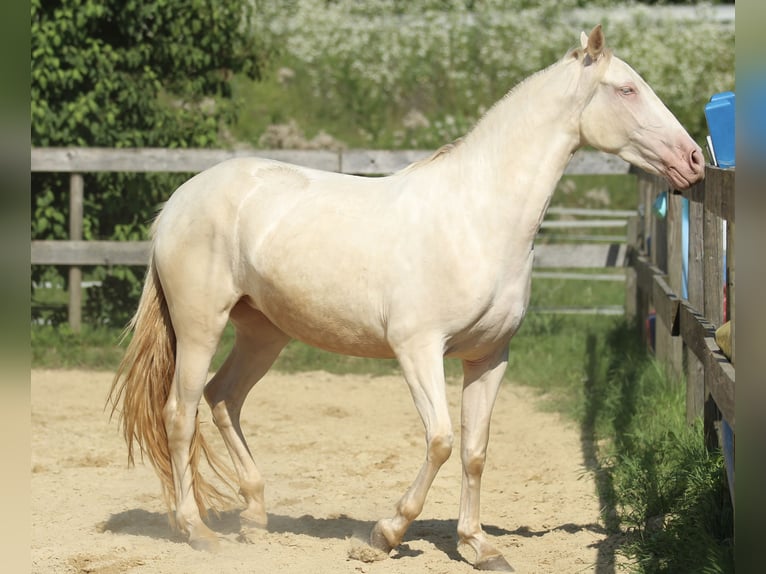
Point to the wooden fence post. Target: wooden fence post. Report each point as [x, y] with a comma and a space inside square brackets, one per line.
[633, 308]
[695, 371]
[674, 218]
[646, 200]
[75, 234]
[713, 305]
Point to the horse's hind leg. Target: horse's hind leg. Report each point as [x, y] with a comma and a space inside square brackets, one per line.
[258, 343]
[197, 337]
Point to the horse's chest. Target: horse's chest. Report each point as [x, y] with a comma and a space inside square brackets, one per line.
[499, 317]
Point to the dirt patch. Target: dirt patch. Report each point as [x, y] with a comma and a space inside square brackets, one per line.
[337, 453]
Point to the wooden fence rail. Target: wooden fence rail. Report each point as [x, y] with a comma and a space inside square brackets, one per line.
[76, 253]
[685, 325]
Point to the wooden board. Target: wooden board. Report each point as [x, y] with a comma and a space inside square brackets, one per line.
[90, 252]
[363, 162]
[580, 256]
[90, 160]
[137, 253]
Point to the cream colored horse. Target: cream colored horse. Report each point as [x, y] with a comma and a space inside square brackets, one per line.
[430, 262]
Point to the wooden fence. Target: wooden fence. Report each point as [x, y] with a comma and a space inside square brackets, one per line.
[685, 326]
[76, 253]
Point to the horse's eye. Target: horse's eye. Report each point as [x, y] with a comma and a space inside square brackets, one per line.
[627, 90]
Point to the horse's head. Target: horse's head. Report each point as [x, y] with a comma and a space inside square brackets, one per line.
[625, 117]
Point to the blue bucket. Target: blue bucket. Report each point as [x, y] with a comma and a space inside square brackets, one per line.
[719, 113]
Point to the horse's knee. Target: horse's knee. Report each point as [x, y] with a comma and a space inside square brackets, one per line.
[169, 417]
[440, 448]
[178, 427]
[221, 415]
[473, 462]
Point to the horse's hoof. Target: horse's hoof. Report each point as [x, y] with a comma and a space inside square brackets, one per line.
[205, 543]
[250, 523]
[365, 553]
[379, 541]
[251, 531]
[254, 517]
[495, 564]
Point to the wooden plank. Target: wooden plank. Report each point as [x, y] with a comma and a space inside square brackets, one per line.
[646, 190]
[90, 252]
[674, 218]
[695, 374]
[695, 330]
[633, 308]
[567, 276]
[589, 162]
[667, 303]
[712, 263]
[580, 256]
[366, 162]
[718, 191]
[719, 374]
[613, 310]
[645, 273]
[584, 224]
[137, 253]
[722, 381]
[584, 211]
[74, 159]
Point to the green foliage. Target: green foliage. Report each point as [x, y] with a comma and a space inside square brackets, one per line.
[56, 347]
[660, 486]
[122, 74]
[380, 73]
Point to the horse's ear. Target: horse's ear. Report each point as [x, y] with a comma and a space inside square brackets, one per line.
[583, 40]
[595, 42]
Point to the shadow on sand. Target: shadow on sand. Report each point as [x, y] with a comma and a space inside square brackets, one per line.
[440, 533]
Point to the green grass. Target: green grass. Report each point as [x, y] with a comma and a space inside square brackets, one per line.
[662, 492]
[57, 347]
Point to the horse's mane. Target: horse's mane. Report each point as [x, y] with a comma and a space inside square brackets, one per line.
[438, 154]
[445, 150]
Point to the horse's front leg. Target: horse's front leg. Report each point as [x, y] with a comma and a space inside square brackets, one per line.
[480, 386]
[423, 369]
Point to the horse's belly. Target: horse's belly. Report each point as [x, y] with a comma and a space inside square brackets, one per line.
[332, 323]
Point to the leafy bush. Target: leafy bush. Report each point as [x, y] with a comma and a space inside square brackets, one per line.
[120, 74]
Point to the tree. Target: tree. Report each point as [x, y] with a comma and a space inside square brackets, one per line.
[120, 73]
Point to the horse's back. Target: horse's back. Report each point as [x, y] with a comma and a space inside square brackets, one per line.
[299, 245]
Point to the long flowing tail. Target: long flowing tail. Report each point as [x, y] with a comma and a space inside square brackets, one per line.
[142, 384]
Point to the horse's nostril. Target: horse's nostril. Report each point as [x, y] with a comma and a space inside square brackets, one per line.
[696, 161]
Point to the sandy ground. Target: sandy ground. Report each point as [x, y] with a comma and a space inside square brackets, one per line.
[337, 453]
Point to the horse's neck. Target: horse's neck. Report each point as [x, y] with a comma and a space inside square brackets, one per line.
[513, 158]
